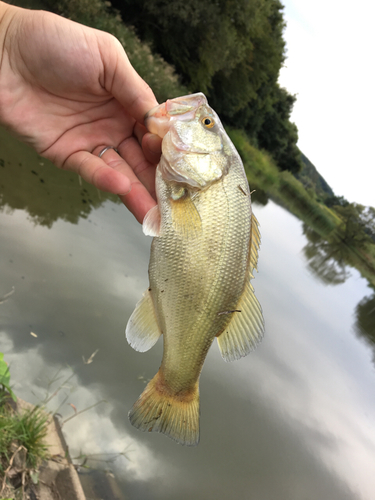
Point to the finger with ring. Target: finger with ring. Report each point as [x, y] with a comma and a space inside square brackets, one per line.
[106, 149]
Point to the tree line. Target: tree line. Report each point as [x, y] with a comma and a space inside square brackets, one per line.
[232, 50]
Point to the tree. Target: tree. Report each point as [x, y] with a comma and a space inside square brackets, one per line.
[232, 50]
[278, 135]
[367, 219]
[227, 49]
[354, 225]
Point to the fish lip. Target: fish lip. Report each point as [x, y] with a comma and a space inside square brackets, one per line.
[156, 112]
[177, 106]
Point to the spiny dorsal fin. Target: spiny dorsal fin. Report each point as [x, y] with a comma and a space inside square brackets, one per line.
[254, 244]
[246, 328]
[142, 330]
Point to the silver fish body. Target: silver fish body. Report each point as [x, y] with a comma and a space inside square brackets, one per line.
[202, 257]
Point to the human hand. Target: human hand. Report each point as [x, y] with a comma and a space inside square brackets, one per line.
[69, 91]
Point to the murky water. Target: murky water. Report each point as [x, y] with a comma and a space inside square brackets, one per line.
[294, 420]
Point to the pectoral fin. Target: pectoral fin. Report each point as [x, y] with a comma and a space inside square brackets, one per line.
[142, 330]
[151, 222]
[246, 327]
[185, 217]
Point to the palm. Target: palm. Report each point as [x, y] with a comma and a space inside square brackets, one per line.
[72, 96]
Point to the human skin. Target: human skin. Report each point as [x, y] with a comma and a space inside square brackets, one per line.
[69, 91]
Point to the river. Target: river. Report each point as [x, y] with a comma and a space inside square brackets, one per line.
[294, 420]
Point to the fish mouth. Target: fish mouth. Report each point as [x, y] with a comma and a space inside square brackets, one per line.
[159, 119]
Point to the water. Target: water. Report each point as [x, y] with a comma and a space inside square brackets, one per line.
[294, 420]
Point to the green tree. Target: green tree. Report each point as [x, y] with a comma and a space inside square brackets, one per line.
[232, 50]
[224, 48]
[333, 200]
[354, 225]
[367, 219]
[278, 135]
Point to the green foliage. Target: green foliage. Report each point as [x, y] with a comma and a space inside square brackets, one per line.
[311, 178]
[232, 50]
[260, 169]
[367, 220]
[357, 224]
[5, 378]
[210, 39]
[27, 429]
[333, 200]
[282, 187]
[278, 135]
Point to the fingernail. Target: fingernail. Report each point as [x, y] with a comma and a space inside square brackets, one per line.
[127, 192]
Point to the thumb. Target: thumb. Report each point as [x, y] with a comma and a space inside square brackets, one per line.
[133, 93]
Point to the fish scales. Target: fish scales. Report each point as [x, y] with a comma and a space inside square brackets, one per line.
[200, 269]
[220, 245]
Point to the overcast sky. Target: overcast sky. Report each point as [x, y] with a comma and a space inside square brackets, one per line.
[330, 66]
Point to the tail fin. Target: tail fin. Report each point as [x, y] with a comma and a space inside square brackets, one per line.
[175, 416]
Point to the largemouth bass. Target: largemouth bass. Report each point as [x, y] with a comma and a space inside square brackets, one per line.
[204, 250]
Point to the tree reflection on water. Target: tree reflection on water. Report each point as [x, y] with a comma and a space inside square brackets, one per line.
[32, 183]
[326, 260]
[365, 321]
[329, 261]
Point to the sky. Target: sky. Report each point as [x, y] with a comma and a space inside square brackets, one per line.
[330, 67]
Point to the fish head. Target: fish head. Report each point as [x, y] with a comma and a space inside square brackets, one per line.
[196, 149]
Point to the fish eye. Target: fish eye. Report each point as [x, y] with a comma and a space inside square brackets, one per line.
[208, 122]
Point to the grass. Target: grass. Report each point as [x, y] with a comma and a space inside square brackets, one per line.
[27, 429]
[22, 437]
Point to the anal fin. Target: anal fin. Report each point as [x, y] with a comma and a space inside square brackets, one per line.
[142, 330]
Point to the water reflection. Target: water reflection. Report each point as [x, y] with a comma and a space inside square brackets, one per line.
[30, 182]
[292, 420]
[365, 320]
[326, 260]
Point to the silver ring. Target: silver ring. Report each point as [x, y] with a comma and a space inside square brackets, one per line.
[106, 149]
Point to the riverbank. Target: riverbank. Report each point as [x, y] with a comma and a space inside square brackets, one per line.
[53, 479]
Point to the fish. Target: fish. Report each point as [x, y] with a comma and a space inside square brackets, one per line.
[203, 253]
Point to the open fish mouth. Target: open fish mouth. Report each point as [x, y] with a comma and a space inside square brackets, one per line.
[158, 120]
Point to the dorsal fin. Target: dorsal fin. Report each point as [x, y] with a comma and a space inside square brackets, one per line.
[254, 244]
[142, 330]
[246, 328]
